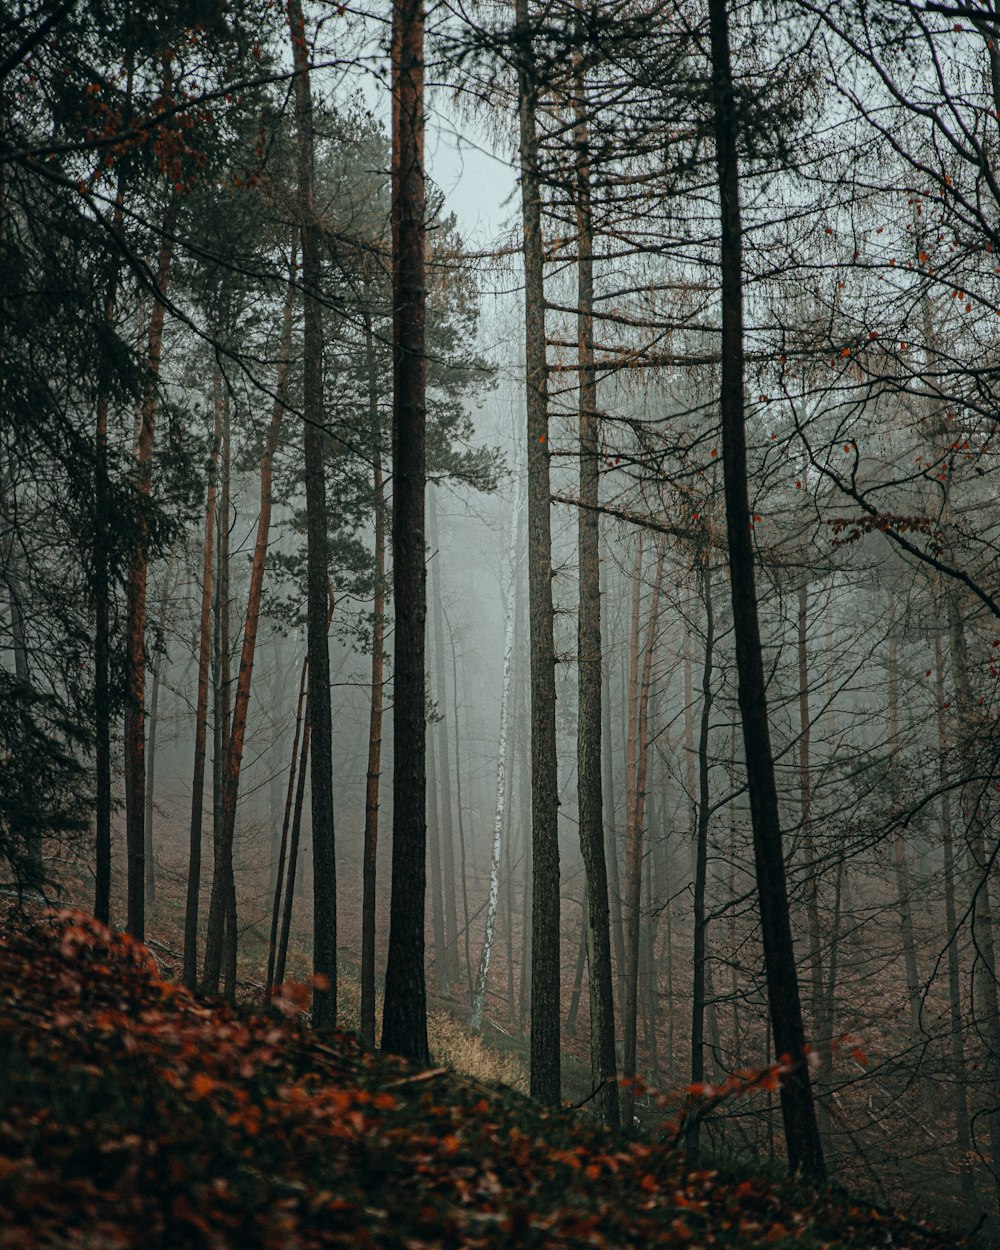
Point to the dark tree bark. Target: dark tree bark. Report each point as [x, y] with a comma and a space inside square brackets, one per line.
[986, 1002]
[324, 1005]
[102, 604]
[700, 988]
[805, 1152]
[603, 1063]
[404, 1016]
[221, 652]
[822, 1036]
[650, 981]
[293, 851]
[201, 712]
[135, 701]
[374, 774]
[102, 667]
[805, 803]
[31, 872]
[279, 876]
[545, 979]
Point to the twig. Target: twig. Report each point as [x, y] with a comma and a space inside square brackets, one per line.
[429, 1075]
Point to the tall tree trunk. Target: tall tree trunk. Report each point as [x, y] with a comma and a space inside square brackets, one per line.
[545, 978]
[279, 882]
[802, 1139]
[224, 655]
[404, 1017]
[985, 967]
[279, 680]
[634, 838]
[458, 807]
[154, 706]
[899, 846]
[201, 709]
[445, 827]
[633, 849]
[102, 587]
[805, 804]
[690, 754]
[963, 1133]
[822, 1038]
[648, 973]
[507, 881]
[220, 654]
[669, 944]
[374, 774]
[603, 1064]
[479, 994]
[324, 1004]
[608, 795]
[102, 662]
[222, 908]
[700, 988]
[434, 869]
[30, 873]
[581, 963]
[135, 701]
[293, 848]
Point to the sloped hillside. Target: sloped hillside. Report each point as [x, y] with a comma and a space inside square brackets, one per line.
[133, 1115]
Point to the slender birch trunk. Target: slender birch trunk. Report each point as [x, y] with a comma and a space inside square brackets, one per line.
[458, 807]
[479, 993]
[445, 825]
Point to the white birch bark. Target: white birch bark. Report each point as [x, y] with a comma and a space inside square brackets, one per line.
[479, 994]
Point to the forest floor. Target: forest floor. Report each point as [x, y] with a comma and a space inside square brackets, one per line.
[134, 1115]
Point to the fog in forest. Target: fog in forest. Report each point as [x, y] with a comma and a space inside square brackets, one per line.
[170, 411]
